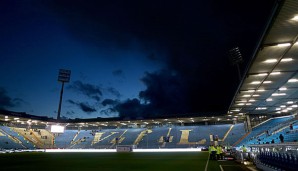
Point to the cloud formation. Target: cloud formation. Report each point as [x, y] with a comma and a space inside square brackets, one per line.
[84, 106]
[7, 102]
[88, 90]
[191, 39]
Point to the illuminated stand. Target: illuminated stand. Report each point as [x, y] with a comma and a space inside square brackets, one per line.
[64, 77]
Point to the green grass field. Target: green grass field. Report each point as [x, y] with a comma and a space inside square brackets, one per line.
[173, 161]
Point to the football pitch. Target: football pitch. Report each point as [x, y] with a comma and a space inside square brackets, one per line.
[125, 161]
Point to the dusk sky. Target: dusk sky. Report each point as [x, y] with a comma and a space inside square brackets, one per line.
[128, 58]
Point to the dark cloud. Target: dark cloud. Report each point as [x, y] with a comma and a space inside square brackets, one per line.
[109, 102]
[7, 102]
[84, 106]
[114, 92]
[88, 90]
[70, 113]
[107, 112]
[191, 38]
[130, 108]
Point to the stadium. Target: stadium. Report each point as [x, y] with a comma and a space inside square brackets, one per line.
[264, 107]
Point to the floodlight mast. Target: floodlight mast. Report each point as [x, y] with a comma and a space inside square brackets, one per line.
[236, 59]
[64, 77]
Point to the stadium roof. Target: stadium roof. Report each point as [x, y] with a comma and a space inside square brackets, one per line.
[22, 118]
[270, 83]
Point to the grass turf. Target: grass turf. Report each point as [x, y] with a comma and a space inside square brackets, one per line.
[180, 161]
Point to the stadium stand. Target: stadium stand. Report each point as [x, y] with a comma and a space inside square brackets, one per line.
[235, 134]
[261, 131]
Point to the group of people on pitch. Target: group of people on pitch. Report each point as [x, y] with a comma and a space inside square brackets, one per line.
[216, 152]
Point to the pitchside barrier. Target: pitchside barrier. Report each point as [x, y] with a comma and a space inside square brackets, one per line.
[124, 148]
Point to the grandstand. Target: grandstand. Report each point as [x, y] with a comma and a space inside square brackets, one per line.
[264, 106]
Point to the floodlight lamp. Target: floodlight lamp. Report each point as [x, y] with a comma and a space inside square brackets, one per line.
[282, 88]
[284, 44]
[293, 80]
[267, 82]
[286, 59]
[270, 61]
[295, 18]
[255, 82]
[262, 74]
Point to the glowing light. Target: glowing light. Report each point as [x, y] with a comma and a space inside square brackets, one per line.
[278, 94]
[284, 44]
[246, 95]
[282, 88]
[295, 18]
[293, 80]
[262, 74]
[261, 108]
[275, 73]
[290, 102]
[270, 61]
[269, 99]
[255, 82]
[267, 82]
[286, 59]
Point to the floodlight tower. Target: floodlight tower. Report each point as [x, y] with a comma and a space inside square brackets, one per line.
[236, 59]
[63, 77]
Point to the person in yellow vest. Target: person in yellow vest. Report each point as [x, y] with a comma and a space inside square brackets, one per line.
[212, 151]
[219, 154]
[244, 150]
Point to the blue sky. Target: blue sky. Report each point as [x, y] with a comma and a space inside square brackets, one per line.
[129, 59]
